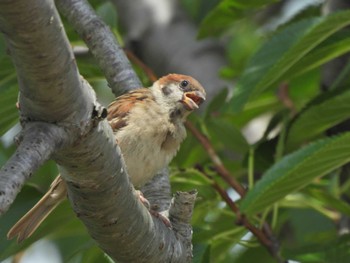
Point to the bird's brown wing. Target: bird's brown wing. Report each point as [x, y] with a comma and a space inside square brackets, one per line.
[119, 109]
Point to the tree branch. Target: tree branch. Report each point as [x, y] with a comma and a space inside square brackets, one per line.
[36, 44]
[108, 206]
[158, 191]
[224, 173]
[91, 163]
[39, 141]
[102, 44]
[265, 237]
[117, 70]
[180, 214]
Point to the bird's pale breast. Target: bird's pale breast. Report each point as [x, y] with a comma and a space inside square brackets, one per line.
[148, 142]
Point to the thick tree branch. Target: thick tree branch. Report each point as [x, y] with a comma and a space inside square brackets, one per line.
[158, 191]
[41, 54]
[39, 141]
[102, 44]
[180, 214]
[98, 185]
[107, 204]
[116, 68]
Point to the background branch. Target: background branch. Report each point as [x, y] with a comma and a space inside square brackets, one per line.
[39, 141]
[102, 44]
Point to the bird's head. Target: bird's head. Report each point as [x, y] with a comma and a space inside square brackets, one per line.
[180, 94]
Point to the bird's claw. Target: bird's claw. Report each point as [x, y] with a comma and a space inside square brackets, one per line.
[155, 213]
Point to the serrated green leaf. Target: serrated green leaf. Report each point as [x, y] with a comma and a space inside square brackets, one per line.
[296, 170]
[318, 119]
[264, 59]
[319, 56]
[277, 57]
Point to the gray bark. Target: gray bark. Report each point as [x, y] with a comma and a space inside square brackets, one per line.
[36, 146]
[56, 101]
[102, 44]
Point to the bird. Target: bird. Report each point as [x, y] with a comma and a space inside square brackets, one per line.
[148, 126]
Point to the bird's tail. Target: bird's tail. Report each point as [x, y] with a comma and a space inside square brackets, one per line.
[26, 226]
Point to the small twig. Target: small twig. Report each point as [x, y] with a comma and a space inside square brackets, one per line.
[220, 168]
[146, 69]
[283, 95]
[241, 219]
[265, 235]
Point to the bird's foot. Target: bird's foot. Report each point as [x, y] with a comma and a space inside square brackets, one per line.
[162, 217]
[155, 213]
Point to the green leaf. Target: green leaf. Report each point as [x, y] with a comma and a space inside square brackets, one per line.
[320, 56]
[201, 253]
[226, 135]
[335, 250]
[192, 179]
[319, 118]
[225, 13]
[24, 201]
[216, 103]
[330, 201]
[296, 170]
[87, 251]
[108, 13]
[8, 111]
[61, 226]
[276, 58]
[267, 102]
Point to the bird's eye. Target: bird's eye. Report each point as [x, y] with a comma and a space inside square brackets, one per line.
[184, 84]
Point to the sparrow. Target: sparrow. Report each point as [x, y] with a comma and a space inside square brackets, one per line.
[148, 125]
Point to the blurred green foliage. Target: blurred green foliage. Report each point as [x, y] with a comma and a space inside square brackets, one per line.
[299, 184]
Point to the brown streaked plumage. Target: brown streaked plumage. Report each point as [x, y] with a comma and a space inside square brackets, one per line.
[119, 109]
[148, 125]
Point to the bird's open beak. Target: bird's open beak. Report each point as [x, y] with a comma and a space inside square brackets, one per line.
[193, 99]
